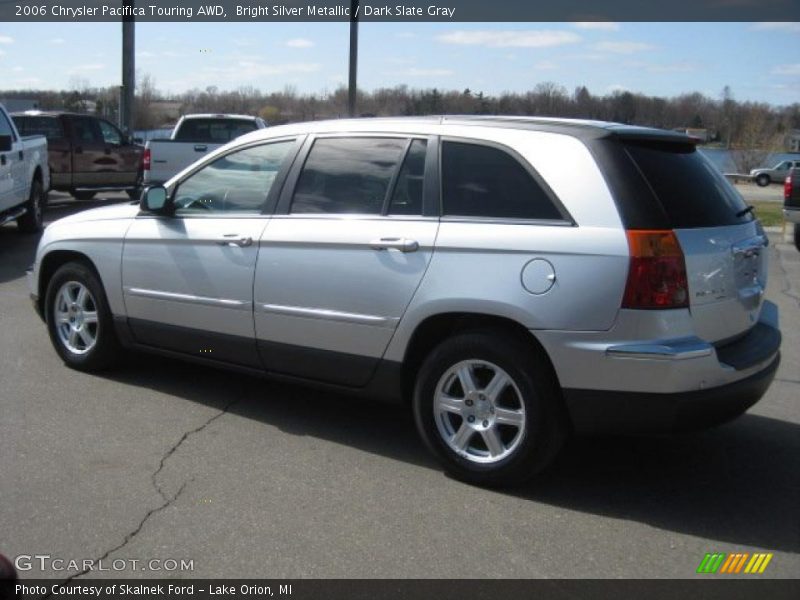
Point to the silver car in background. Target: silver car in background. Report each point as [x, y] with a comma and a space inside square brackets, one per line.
[512, 279]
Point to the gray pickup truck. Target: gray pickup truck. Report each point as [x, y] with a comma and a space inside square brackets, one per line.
[24, 176]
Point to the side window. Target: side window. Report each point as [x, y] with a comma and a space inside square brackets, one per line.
[347, 175]
[482, 181]
[49, 127]
[235, 183]
[86, 130]
[111, 134]
[407, 195]
[5, 126]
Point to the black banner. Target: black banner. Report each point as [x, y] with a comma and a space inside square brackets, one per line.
[733, 588]
[402, 10]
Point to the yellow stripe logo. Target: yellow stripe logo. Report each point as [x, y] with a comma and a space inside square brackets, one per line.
[734, 563]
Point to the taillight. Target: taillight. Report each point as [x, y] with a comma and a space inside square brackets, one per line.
[146, 159]
[657, 275]
[787, 188]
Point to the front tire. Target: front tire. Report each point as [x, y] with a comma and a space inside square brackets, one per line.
[31, 221]
[79, 320]
[763, 180]
[83, 195]
[489, 408]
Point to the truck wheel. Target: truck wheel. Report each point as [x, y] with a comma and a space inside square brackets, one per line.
[79, 319]
[489, 408]
[763, 180]
[31, 221]
[83, 195]
[797, 237]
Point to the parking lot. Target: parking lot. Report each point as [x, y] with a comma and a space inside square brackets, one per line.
[247, 478]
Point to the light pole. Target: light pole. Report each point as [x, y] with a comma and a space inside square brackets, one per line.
[128, 69]
[352, 88]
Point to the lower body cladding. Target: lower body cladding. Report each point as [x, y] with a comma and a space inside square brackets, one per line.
[613, 382]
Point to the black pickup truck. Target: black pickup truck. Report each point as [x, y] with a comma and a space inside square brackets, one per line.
[87, 154]
[791, 202]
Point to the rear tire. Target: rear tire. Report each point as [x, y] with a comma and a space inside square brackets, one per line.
[83, 195]
[31, 221]
[489, 408]
[763, 180]
[79, 319]
[797, 236]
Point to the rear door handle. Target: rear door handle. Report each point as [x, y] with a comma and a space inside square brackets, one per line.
[233, 239]
[402, 244]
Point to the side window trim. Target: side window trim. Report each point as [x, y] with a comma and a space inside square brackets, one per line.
[566, 218]
[270, 202]
[387, 200]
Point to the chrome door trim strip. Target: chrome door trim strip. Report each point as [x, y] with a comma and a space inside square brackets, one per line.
[331, 315]
[189, 299]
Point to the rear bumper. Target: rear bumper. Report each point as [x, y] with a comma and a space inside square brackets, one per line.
[637, 412]
[635, 379]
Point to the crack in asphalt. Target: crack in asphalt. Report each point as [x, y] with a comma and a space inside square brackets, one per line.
[167, 500]
[786, 291]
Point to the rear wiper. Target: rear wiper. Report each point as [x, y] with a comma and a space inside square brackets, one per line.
[744, 211]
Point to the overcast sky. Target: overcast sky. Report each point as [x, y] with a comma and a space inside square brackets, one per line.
[759, 61]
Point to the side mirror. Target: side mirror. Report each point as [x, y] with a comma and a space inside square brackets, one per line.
[5, 143]
[154, 200]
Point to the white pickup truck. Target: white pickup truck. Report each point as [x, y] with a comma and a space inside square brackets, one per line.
[193, 137]
[24, 176]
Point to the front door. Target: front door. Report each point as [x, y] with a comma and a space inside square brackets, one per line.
[188, 278]
[343, 256]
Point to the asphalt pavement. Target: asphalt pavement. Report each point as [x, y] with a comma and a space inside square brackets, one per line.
[246, 478]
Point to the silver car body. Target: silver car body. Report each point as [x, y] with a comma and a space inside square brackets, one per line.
[326, 285]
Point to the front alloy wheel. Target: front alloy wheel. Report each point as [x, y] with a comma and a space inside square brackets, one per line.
[76, 317]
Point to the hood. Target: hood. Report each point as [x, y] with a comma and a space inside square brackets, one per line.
[127, 210]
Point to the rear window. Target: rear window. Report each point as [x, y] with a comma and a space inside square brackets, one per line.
[690, 189]
[49, 127]
[214, 131]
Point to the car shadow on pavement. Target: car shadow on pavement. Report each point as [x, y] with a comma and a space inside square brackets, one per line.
[738, 483]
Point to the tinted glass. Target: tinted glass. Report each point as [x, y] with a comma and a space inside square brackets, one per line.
[5, 126]
[49, 127]
[691, 190]
[86, 130]
[347, 175]
[111, 134]
[407, 195]
[481, 181]
[236, 183]
[214, 131]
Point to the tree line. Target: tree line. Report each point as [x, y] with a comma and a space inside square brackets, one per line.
[750, 129]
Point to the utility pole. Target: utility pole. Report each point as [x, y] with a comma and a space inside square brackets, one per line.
[128, 69]
[352, 89]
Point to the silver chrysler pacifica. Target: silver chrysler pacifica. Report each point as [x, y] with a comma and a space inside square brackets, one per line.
[512, 279]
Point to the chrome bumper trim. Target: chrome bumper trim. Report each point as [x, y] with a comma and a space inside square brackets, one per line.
[678, 349]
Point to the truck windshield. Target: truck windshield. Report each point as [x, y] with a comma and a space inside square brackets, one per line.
[213, 131]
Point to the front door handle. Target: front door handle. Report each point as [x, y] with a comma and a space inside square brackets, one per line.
[200, 148]
[233, 239]
[402, 244]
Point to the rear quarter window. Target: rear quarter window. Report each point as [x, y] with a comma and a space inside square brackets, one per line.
[484, 181]
[689, 188]
[214, 131]
[49, 127]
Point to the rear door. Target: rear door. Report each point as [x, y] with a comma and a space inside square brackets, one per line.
[343, 257]
[91, 163]
[723, 244]
[58, 146]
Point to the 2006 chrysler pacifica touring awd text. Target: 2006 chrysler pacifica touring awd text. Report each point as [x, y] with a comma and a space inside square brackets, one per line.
[513, 279]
